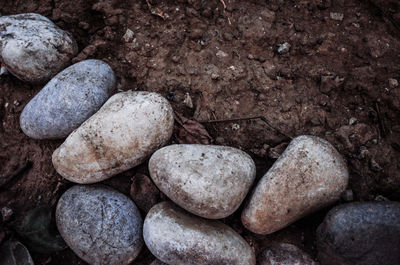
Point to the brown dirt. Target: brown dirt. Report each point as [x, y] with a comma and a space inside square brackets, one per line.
[336, 73]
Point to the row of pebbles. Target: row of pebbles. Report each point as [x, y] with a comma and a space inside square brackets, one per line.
[110, 134]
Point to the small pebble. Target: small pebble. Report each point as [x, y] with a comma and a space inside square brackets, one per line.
[101, 225]
[188, 101]
[393, 83]
[284, 254]
[127, 129]
[68, 100]
[221, 54]
[309, 175]
[284, 48]
[177, 237]
[337, 16]
[128, 36]
[33, 48]
[207, 180]
[352, 121]
[6, 213]
[360, 234]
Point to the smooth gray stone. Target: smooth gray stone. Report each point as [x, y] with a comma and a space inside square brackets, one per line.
[284, 254]
[101, 225]
[68, 100]
[33, 48]
[360, 234]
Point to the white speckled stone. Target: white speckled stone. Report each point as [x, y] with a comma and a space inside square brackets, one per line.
[284, 254]
[101, 225]
[127, 129]
[33, 48]
[309, 175]
[177, 237]
[69, 99]
[207, 180]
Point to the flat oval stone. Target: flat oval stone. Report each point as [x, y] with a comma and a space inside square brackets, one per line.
[177, 237]
[284, 254]
[206, 180]
[127, 129]
[68, 100]
[101, 225]
[33, 48]
[360, 234]
[309, 175]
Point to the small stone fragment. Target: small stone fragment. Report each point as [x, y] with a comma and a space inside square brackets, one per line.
[309, 175]
[360, 234]
[101, 225]
[284, 48]
[393, 83]
[68, 100]
[188, 101]
[33, 48]
[128, 36]
[207, 180]
[177, 237]
[127, 129]
[221, 54]
[284, 254]
[337, 16]
[6, 213]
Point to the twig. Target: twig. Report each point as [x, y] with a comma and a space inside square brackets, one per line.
[223, 3]
[249, 118]
[159, 13]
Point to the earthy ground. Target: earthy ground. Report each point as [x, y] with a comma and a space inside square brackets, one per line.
[334, 82]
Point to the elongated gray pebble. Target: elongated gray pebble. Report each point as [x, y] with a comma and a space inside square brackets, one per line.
[360, 234]
[309, 175]
[207, 180]
[33, 48]
[101, 225]
[177, 237]
[127, 129]
[69, 99]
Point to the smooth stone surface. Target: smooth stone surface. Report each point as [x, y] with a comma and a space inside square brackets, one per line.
[68, 100]
[284, 254]
[127, 129]
[177, 237]
[360, 234]
[101, 225]
[309, 175]
[33, 48]
[207, 180]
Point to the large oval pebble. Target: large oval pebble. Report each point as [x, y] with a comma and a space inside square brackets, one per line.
[206, 180]
[178, 237]
[69, 99]
[33, 48]
[360, 234]
[122, 134]
[309, 175]
[101, 225]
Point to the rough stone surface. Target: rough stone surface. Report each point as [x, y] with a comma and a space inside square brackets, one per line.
[127, 129]
[101, 225]
[33, 48]
[360, 234]
[177, 237]
[69, 99]
[206, 180]
[284, 254]
[309, 175]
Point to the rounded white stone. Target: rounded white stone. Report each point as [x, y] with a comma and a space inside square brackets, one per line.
[207, 180]
[309, 175]
[178, 237]
[127, 129]
[33, 48]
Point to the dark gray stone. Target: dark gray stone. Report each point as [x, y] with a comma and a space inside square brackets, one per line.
[33, 48]
[361, 234]
[68, 100]
[101, 225]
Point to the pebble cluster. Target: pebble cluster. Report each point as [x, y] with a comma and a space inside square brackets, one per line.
[110, 134]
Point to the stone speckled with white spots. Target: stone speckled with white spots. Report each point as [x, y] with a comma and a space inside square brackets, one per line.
[101, 225]
[33, 48]
[126, 130]
[69, 99]
[309, 175]
[207, 180]
[284, 254]
[177, 237]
